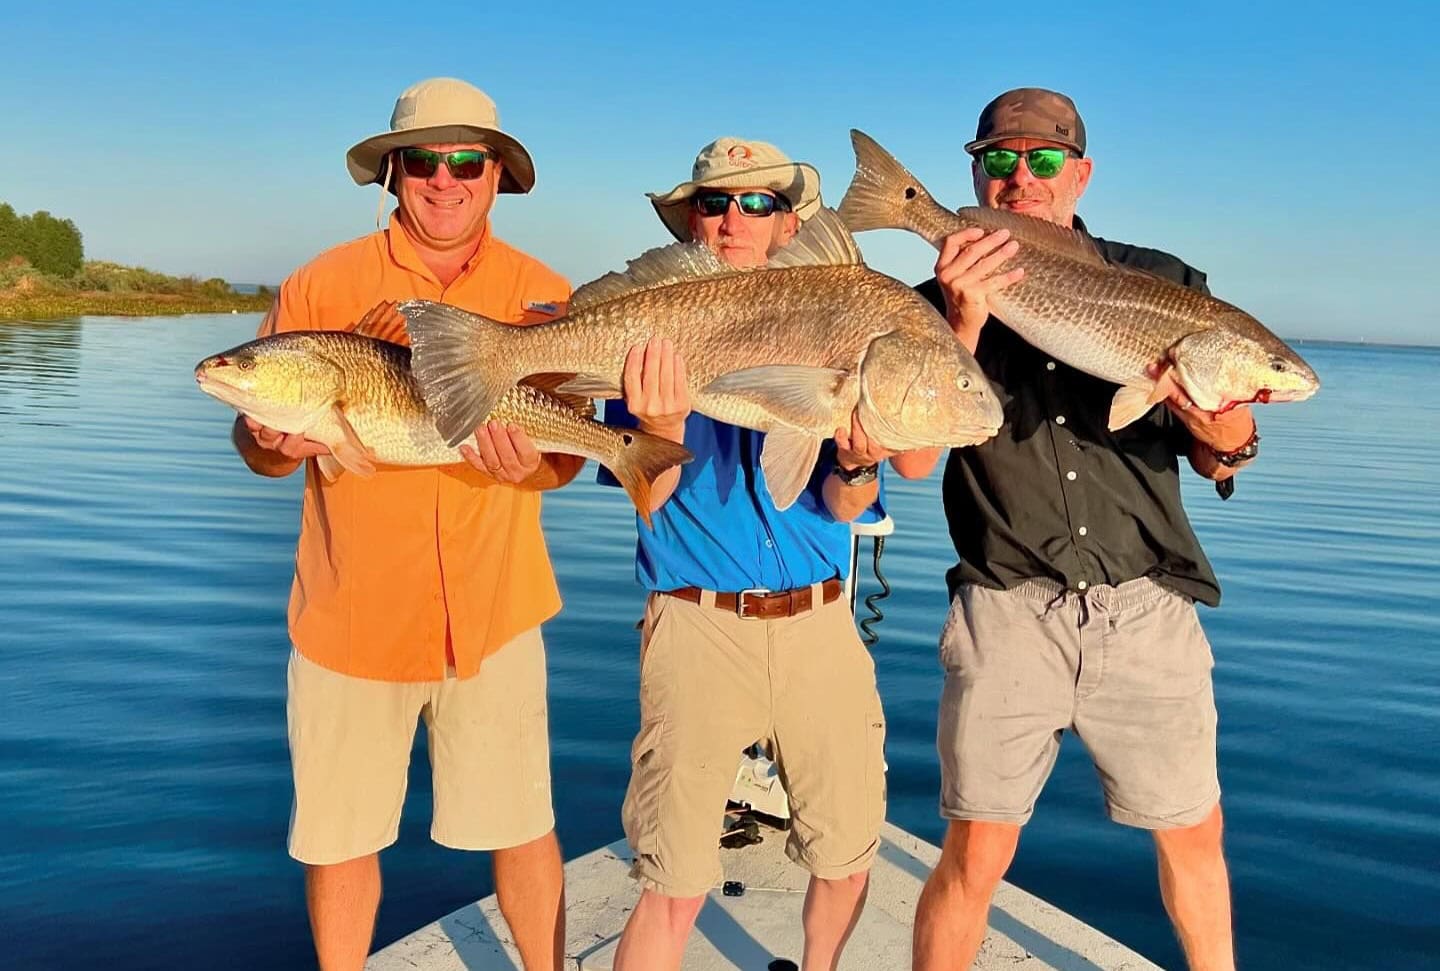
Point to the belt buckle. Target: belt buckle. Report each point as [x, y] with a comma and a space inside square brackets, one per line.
[740, 600]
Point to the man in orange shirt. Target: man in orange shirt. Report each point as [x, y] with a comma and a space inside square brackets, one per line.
[406, 581]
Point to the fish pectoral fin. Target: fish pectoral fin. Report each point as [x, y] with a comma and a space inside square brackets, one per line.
[330, 467]
[1131, 403]
[803, 397]
[788, 459]
[554, 385]
[350, 452]
[589, 386]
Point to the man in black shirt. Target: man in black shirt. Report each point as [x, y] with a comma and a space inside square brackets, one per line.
[1072, 606]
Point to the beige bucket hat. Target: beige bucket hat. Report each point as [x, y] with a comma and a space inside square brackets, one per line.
[739, 163]
[436, 111]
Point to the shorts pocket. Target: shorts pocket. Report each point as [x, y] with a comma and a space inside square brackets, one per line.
[875, 776]
[956, 640]
[649, 777]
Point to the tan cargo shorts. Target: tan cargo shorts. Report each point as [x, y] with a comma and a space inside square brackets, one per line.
[712, 684]
[1127, 668]
[350, 741]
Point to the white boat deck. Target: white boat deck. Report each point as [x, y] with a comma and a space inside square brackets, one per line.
[763, 925]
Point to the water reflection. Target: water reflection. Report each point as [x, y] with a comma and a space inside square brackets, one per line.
[38, 362]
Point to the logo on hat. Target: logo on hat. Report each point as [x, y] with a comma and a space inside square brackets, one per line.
[740, 157]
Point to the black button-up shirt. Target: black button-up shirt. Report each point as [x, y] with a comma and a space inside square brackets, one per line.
[1056, 494]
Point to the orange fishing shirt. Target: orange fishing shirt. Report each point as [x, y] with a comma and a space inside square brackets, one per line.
[390, 569]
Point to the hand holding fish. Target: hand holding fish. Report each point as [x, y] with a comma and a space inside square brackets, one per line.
[854, 448]
[966, 272]
[1222, 431]
[291, 446]
[654, 382]
[503, 451]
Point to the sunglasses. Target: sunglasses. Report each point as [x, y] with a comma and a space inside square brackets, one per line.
[1044, 163]
[466, 164]
[714, 203]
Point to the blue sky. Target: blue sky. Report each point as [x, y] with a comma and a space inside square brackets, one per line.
[1264, 144]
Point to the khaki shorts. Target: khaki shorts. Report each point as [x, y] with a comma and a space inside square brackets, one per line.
[712, 684]
[350, 741]
[1126, 667]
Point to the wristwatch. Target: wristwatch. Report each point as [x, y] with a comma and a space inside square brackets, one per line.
[1244, 453]
[856, 476]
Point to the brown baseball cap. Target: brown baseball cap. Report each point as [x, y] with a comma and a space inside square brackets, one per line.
[1030, 113]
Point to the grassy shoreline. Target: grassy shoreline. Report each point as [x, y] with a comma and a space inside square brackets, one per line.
[54, 306]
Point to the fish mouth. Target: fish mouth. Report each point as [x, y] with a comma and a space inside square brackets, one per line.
[1262, 397]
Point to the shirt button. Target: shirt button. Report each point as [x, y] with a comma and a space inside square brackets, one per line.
[1081, 585]
[770, 543]
[1070, 476]
[1049, 365]
[1083, 530]
[1059, 419]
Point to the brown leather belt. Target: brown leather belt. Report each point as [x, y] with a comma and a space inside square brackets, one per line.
[763, 604]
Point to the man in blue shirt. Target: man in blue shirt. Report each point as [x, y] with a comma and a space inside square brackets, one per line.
[746, 635]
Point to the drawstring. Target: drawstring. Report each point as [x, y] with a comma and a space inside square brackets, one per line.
[385, 187]
[1081, 599]
[1055, 601]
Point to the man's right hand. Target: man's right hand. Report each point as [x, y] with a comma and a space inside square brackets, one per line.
[655, 389]
[966, 273]
[296, 447]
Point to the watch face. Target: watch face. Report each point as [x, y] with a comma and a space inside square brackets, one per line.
[865, 473]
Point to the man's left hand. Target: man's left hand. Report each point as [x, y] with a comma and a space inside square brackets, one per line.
[503, 452]
[1223, 432]
[854, 448]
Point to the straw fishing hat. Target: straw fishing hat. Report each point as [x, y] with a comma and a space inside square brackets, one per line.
[737, 163]
[437, 111]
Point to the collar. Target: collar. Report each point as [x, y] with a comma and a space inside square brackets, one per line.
[404, 254]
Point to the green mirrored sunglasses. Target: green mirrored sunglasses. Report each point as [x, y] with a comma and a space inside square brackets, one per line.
[466, 164]
[1044, 163]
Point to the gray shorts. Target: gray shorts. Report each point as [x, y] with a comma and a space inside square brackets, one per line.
[1126, 667]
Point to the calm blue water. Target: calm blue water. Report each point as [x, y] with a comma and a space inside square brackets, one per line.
[144, 781]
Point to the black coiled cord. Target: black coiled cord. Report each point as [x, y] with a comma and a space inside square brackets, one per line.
[868, 635]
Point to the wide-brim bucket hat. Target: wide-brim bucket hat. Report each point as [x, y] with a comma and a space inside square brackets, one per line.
[439, 111]
[738, 163]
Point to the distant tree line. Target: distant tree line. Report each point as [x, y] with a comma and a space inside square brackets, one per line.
[48, 244]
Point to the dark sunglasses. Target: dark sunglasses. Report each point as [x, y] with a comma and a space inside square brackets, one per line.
[466, 164]
[711, 202]
[1044, 163]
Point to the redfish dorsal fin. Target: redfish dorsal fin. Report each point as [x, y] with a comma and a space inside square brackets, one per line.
[822, 240]
[660, 267]
[1060, 240]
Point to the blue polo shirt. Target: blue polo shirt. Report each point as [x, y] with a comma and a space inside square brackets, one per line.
[720, 531]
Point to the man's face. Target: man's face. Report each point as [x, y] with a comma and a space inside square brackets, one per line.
[1053, 200]
[743, 241]
[444, 212]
